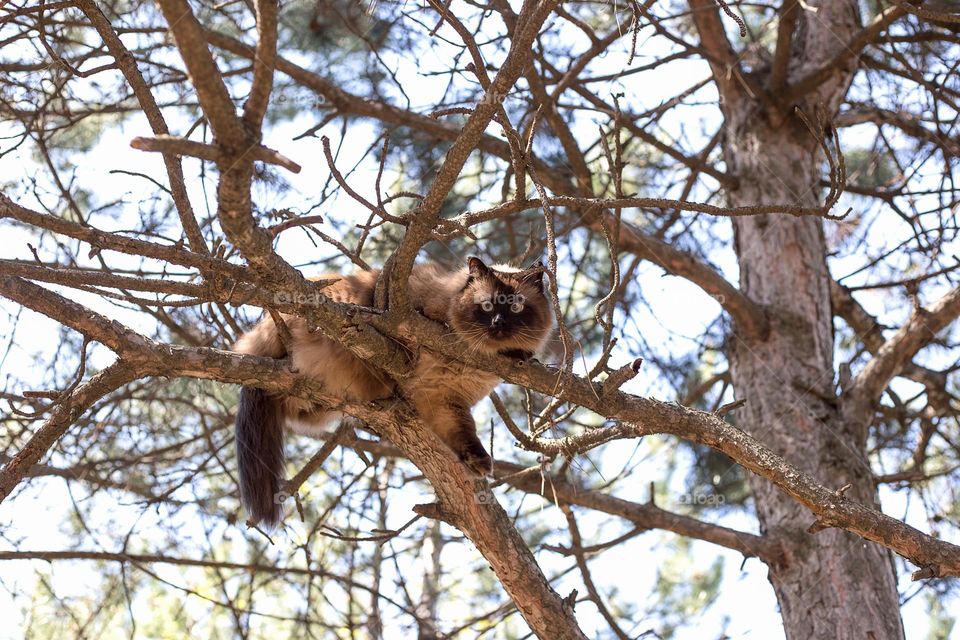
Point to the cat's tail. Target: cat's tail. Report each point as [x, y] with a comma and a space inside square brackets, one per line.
[259, 438]
[259, 433]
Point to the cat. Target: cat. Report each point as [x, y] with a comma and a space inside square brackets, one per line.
[492, 309]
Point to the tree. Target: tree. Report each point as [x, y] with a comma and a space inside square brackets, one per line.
[822, 133]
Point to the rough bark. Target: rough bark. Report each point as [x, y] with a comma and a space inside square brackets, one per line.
[787, 381]
[830, 584]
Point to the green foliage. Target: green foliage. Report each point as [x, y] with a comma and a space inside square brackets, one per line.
[941, 622]
[870, 169]
[684, 589]
[52, 614]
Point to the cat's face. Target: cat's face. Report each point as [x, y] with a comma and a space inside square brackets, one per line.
[500, 310]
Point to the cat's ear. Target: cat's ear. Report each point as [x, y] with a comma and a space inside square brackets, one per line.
[533, 275]
[477, 268]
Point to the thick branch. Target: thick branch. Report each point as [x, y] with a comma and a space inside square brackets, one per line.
[720, 53]
[559, 490]
[131, 246]
[463, 500]
[205, 76]
[115, 336]
[644, 415]
[652, 416]
[789, 12]
[264, 63]
[484, 522]
[920, 329]
[860, 41]
[870, 332]
[648, 516]
[174, 146]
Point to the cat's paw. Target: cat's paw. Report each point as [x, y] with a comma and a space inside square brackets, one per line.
[482, 465]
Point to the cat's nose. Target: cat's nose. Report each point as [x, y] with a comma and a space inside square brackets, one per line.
[497, 321]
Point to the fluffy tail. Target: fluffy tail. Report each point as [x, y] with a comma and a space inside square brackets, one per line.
[259, 437]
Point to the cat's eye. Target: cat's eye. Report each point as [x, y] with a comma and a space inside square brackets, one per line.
[516, 307]
[487, 306]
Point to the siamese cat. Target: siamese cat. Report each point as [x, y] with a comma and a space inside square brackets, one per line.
[496, 309]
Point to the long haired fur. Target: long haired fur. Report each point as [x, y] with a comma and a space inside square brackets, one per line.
[492, 309]
[259, 439]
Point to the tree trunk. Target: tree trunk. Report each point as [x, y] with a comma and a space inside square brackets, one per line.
[832, 584]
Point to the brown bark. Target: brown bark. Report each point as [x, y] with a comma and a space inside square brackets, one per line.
[787, 381]
[829, 585]
[635, 416]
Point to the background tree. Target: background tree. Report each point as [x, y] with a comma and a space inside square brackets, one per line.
[787, 385]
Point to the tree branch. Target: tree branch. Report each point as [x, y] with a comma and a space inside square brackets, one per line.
[891, 358]
[64, 415]
[174, 146]
[720, 53]
[264, 62]
[529, 22]
[748, 316]
[808, 83]
[789, 12]
[643, 416]
[128, 66]
[870, 332]
[206, 78]
[485, 523]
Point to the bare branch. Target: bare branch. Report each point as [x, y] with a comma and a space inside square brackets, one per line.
[62, 417]
[920, 329]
